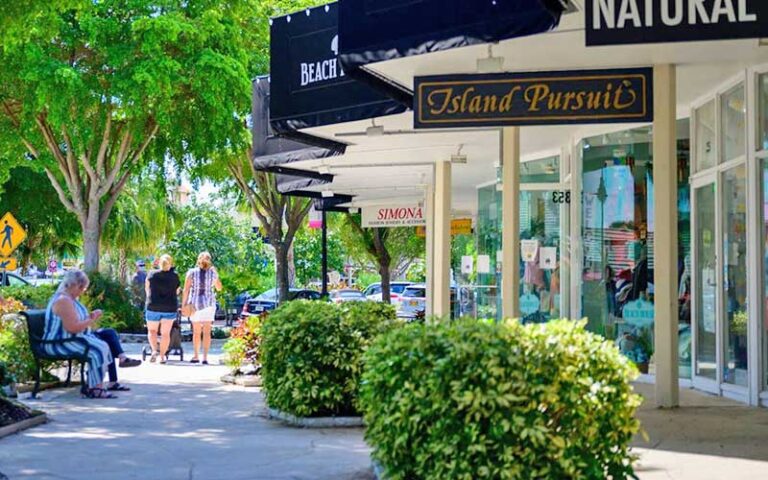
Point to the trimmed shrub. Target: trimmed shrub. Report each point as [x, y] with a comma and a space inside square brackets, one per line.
[32, 297]
[473, 400]
[242, 348]
[14, 348]
[311, 355]
[115, 300]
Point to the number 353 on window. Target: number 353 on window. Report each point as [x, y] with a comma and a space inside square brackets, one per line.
[561, 197]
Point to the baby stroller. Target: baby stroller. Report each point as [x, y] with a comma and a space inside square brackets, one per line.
[175, 347]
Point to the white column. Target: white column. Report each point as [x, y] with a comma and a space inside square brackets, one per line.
[441, 300]
[430, 247]
[510, 219]
[665, 236]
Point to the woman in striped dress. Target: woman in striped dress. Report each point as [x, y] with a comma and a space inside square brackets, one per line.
[199, 291]
[66, 318]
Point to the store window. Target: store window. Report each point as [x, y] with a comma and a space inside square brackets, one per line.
[734, 115]
[762, 84]
[617, 235]
[765, 268]
[488, 231]
[546, 170]
[706, 151]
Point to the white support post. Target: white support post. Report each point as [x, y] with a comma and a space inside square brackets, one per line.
[442, 242]
[430, 247]
[510, 198]
[665, 236]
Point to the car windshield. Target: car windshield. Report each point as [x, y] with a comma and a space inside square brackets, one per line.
[415, 292]
[349, 294]
[269, 295]
[398, 287]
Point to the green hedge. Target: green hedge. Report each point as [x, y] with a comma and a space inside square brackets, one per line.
[311, 354]
[116, 301]
[14, 349]
[31, 296]
[473, 400]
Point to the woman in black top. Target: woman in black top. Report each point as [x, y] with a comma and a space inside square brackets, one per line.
[162, 304]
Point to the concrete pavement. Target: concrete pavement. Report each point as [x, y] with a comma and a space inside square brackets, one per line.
[180, 423]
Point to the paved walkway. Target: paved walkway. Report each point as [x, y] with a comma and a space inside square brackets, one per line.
[180, 423]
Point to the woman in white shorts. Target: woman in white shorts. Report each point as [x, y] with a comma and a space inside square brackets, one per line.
[199, 292]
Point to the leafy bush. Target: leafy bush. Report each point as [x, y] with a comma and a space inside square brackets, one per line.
[242, 348]
[472, 400]
[311, 354]
[32, 297]
[114, 299]
[14, 348]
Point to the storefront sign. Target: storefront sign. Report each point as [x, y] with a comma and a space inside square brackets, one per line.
[388, 217]
[459, 226]
[620, 22]
[639, 313]
[528, 250]
[547, 98]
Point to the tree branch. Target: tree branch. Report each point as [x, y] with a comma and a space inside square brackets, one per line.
[62, 195]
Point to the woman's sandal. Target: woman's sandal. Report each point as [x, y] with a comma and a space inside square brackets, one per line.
[98, 393]
[194, 360]
[153, 358]
[118, 388]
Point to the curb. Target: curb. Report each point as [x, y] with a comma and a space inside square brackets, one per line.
[319, 422]
[242, 380]
[378, 470]
[23, 425]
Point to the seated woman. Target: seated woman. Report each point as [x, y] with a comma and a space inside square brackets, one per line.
[66, 318]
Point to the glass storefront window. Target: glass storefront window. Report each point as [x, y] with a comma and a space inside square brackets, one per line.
[546, 170]
[735, 275]
[706, 149]
[734, 116]
[540, 256]
[706, 282]
[765, 271]
[762, 84]
[489, 231]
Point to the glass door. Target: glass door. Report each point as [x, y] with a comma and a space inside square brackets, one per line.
[705, 304]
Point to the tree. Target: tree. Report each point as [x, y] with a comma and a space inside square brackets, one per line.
[390, 248]
[308, 248]
[92, 90]
[51, 229]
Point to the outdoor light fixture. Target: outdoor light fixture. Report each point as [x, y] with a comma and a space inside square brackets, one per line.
[458, 157]
[490, 64]
[326, 194]
[374, 130]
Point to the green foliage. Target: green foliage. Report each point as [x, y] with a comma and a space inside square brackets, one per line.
[14, 348]
[6, 377]
[32, 297]
[311, 354]
[470, 400]
[51, 229]
[115, 300]
[242, 348]
[307, 251]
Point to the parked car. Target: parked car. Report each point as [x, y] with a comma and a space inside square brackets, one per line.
[267, 301]
[348, 295]
[12, 280]
[413, 302]
[373, 292]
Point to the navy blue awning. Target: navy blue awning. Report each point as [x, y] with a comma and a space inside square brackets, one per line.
[372, 31]
[274, 154]
[309, 87]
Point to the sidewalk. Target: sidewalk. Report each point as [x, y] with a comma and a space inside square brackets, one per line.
[180, 423]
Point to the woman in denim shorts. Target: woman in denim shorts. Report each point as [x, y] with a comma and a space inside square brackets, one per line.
[162, 304]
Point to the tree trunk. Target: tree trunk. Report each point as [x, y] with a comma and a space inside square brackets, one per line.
[91, 246]
[281, 266]
[384, 259]
[122, 262]
[291, 267]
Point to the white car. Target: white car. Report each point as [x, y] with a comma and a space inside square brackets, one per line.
[373, 292]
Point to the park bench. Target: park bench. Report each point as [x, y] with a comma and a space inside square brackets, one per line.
[36, 329]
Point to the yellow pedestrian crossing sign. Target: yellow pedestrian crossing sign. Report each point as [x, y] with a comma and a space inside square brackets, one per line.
[8, 264]
[12, 234]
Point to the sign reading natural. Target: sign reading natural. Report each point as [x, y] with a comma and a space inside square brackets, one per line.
[547, 98]
[617, 22]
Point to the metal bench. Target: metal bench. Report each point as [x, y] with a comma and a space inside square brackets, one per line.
[36, 329]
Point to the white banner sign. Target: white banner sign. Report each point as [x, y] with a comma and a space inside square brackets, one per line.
[388, 217]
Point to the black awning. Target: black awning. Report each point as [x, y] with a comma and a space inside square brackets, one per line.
[309, 88]
[372, 31]
[275, 154]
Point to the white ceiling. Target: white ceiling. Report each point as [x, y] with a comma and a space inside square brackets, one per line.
[394, 168]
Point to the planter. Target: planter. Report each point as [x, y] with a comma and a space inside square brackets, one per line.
[315, 422]
[23, 425]
[243, 380]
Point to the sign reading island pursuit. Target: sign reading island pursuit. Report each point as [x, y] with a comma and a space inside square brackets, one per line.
[546, 98]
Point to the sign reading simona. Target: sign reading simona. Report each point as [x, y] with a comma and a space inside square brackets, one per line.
[620, 22]
[400, 216]
[546, 98]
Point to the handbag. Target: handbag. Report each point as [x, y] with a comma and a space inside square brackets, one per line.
[187, 310]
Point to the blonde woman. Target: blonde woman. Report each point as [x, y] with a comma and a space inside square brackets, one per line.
[162, 288]
[199, 292]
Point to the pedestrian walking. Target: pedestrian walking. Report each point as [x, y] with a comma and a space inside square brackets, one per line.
[162, 289]
[199, 299]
